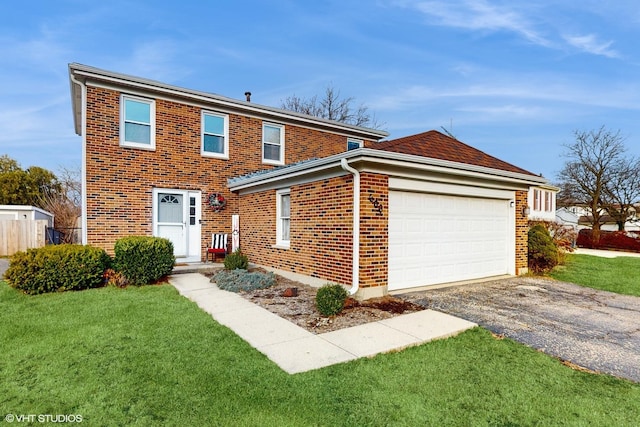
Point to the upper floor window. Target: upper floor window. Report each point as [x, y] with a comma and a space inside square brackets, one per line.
[353, 144]
[548, 201]
[137, 122]
[215, 135]
[536, 199]
[272, 144]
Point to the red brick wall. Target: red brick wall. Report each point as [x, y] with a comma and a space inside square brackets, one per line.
[374, 233]
[321, 229]
[522, 230]
[120, 180]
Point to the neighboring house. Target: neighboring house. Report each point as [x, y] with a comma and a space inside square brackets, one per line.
[542, 203]
[568, 218]
[25, 212]
[580, 218]
[316, 197]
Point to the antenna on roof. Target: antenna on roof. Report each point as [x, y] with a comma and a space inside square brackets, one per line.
[449, 131]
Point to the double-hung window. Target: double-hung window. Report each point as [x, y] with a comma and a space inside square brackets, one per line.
[272, 144]
[137, 122]
[215, 135]
[283, 217]
[353, 144]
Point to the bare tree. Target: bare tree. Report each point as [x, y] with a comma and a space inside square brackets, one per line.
[332, 107]
[622, 190]
[66, 204]
[593, 173]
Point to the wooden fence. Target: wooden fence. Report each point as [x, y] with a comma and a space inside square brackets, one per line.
[20, 235]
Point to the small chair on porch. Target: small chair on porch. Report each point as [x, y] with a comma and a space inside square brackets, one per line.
[219, 246]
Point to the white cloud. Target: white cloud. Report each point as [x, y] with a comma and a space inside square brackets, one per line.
[589, 43]
[480, 15]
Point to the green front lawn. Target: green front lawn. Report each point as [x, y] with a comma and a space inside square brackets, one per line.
[620, 275]
[147, 356]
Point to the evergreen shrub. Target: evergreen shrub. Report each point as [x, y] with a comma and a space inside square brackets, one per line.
[330, 299]
[543, 252]
[242, 280]
[143, 259]
[57, 268]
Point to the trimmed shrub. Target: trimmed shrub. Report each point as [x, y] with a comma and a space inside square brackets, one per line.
[236, 260]
[330, 299]
[543, 253]
[143, 259]
[242, 280]
[57, 268]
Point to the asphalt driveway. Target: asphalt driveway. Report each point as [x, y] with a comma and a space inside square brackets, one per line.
[594, 329]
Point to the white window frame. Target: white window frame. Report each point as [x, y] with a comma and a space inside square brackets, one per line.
[270, 161]
[280, 242]
[225, 152]
[354, 141]
[152, 123]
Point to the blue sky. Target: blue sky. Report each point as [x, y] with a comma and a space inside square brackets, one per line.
[512, 78]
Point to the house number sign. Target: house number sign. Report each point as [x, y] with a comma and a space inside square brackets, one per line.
[377, 206]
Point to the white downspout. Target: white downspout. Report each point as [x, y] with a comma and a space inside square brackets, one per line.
[83, 127]
[355, 274]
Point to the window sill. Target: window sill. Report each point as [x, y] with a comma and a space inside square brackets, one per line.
[280, 246]
[148, 147]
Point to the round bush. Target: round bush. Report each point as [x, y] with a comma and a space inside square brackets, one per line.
[543, 253]
[143, 259]
[330, 299]
[57, 268]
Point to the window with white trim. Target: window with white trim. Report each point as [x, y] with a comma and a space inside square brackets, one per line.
[353, 144]
[137, 122]
[272, 144]
[215, 135]
[536, 199]
[549, 201]
[283, 217]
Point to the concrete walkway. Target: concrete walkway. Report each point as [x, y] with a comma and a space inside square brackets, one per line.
[295, 349]
[604, 253]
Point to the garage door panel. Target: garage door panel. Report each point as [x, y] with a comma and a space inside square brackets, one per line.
[440, 238]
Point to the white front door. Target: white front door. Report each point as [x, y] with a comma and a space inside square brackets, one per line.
[176, 216]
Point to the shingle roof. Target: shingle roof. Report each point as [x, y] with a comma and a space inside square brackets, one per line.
[436, 145]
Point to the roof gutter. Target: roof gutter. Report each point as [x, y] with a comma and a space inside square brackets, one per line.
[81, 128]
[355, 262]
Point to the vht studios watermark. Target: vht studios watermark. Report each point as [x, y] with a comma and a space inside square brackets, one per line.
[43, 418]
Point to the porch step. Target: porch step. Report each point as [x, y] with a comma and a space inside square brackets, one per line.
[196, 267]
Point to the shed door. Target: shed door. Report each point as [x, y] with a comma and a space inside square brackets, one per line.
[435, 238]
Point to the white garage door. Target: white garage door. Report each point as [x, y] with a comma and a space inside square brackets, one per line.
[436, 238]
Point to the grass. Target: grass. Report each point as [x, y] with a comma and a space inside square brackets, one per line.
[147, 356]
[620, 275]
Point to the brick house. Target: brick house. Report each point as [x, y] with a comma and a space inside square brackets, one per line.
[428, 209]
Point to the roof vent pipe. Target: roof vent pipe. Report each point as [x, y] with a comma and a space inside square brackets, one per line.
[248, 95]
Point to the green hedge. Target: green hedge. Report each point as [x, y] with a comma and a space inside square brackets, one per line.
[143, 259]
[57, 268]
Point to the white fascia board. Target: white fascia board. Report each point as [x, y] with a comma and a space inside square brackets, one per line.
[85, 72]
